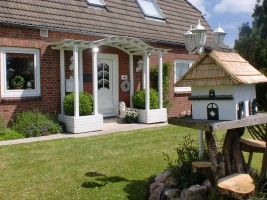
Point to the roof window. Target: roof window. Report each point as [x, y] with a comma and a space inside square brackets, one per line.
[150, 9]
[96, 2]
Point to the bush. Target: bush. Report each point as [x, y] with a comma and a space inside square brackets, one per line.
[34, 123]
[2, 124]
[85, 104]
[139, 99]
[182, 169]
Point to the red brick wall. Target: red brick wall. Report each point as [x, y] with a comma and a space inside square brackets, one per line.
[49, 101]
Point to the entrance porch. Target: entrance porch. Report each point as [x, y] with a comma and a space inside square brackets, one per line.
[105, 79]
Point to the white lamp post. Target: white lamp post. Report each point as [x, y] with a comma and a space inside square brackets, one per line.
[195, 38]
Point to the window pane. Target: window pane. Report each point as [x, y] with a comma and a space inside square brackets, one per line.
[99, 2]
[22, 65]
[150, 8]
[181, 69]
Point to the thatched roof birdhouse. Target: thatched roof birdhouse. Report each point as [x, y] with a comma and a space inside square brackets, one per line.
[223, 86]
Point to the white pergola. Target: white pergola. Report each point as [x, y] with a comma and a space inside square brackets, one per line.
[132, 46]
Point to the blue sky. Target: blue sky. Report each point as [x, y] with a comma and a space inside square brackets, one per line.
[229, 13]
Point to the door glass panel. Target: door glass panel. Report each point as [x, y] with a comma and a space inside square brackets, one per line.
[103, 75]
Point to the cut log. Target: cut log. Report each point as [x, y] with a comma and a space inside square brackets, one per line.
[239, 186]
[201, 167]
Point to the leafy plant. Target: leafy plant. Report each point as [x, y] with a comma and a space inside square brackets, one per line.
[2, 125]
[18, 81]
[139, 99]
[33, 123]
[166, 82]
[182, 170]
[85, 104]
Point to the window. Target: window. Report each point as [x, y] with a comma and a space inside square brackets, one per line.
[150, 9]
[20, 72]
[180, 68]
[96, 2]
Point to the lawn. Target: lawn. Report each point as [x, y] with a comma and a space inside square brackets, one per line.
[114, 166]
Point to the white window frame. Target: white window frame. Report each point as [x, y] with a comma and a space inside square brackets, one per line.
[23, 92]
[96, 4]
[181, 89]
[156, 7]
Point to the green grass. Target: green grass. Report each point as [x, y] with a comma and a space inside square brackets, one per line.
[114, 166]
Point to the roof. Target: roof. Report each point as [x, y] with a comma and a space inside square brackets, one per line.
[220, 68]
[122, 18]
[126, 44]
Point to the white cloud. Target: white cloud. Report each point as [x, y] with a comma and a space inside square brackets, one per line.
[201, 5]
[235, 6]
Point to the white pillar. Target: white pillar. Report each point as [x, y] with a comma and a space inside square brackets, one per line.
[147, 81]
[81, 70]
[200, 144]
[62, 79]
[144, 71]
[131, 79]
[95, 84]
[160, 74]
[76, 81]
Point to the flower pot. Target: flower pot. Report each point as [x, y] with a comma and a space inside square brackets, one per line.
[130, 119]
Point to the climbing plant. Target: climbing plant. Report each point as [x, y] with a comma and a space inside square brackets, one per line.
[167, 67]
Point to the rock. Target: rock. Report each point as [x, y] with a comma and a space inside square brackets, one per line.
[195, 192]
[156, 191]
[171, 182]
[161, 178]
[170, 194]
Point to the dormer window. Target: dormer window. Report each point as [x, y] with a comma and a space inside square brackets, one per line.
[96, 2]
[150, 9]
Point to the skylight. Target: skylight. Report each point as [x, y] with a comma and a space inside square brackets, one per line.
[150, 9]
[96, 2]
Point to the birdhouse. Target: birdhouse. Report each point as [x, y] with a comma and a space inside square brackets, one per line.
[222, 85]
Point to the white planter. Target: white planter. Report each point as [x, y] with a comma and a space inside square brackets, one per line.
[152, 116]
[83, 123]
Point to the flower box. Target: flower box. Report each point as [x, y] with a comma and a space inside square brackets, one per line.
[82, 124]
[152, 116]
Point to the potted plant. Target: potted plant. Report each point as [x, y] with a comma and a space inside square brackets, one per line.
[18, 82]
[131, 115]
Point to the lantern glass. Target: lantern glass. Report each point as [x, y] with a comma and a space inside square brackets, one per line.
[218, 37]
[189, 40]
[200, 32]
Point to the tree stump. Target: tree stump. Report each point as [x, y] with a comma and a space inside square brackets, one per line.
[239, 186]
[201, 168]
[232, 152]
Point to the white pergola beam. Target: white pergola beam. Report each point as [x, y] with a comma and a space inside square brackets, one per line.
[62, 78]
[160, 75]
[131, 79]
[95, 84]
[147, 81]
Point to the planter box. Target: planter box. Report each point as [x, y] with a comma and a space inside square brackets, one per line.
[83, 123]
[152, 116]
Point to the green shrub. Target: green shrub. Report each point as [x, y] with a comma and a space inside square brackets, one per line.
[139, 99]
[85, 104]
[182, 170]
[33, 123]
[2, 125]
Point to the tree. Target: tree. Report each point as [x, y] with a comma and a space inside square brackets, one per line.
[252, 46]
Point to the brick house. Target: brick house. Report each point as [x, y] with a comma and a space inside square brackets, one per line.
[51, 44]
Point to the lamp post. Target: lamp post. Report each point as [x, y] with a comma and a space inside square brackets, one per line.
[195, 38]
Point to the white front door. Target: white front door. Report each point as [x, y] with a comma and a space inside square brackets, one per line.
[107, 72]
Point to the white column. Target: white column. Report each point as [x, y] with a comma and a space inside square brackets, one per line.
[147, 82]
[200, 144]
[81, 70]
[160, 74]
[76, 80]
[95, 84]
[144, 71]
[131, 79]
[62, 79]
